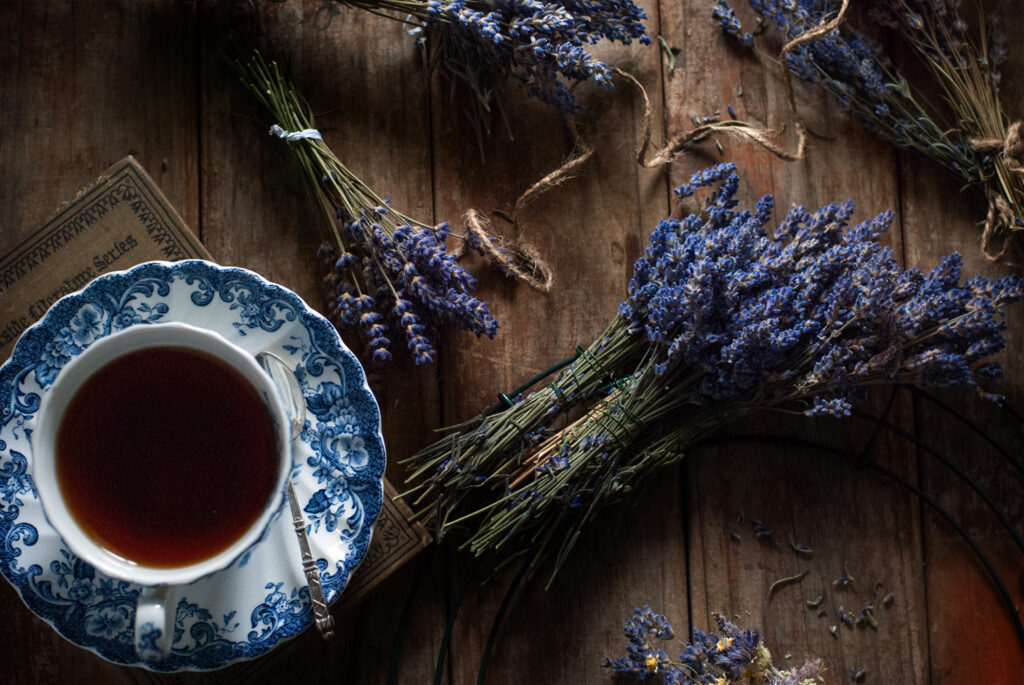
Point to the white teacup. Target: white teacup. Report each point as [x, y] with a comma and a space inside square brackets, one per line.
[155, 614]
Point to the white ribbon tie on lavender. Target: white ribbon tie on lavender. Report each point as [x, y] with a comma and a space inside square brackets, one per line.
[292, 136]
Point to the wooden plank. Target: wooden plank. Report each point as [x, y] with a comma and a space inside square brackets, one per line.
[589, 230]
[81, 90]
[83, 87]
[370, 96]
[970, 631]
[846, 515]
[856, 523]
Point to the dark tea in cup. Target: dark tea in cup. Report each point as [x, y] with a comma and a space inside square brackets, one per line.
[166, 455]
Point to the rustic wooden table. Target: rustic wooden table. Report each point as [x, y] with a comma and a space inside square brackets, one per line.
[82, 84]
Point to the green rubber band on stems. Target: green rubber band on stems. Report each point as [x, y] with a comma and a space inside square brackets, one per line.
[506, 401]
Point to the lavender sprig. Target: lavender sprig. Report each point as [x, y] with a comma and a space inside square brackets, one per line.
[731, 656]
[967, 132]
[390, 276]
[541, 44]
[724, 317]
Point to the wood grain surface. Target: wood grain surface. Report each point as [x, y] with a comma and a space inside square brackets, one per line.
[84, 83]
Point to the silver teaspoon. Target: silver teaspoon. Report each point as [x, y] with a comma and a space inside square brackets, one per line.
[285, 380]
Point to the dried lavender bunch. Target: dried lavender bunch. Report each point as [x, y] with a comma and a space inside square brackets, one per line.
[967, 132]
[539, 44]
[390, 275]
[729, 657]
[723, 318]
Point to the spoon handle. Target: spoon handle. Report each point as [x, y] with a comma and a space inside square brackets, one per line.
[322, 615]
[285, 380]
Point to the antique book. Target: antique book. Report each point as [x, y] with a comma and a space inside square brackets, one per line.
[124, 219]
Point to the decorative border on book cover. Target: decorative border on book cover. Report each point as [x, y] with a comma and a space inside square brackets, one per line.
[395, 541]
[29, 270]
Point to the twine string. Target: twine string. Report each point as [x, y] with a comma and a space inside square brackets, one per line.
[685, 140]
[521, 261]
[818, 31]
[516, 257]
[999, 215]
[567, 170]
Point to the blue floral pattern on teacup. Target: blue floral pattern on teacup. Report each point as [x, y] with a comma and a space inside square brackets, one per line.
[339, 462]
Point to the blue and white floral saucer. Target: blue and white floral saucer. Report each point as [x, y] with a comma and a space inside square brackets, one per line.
[243, 611]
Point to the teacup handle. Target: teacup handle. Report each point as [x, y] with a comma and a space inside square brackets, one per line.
[154, 622]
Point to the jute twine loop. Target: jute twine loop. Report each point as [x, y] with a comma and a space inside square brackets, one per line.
[685, 140]
[1000, 214]
[518, 258]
